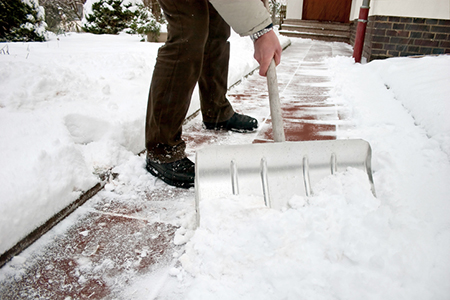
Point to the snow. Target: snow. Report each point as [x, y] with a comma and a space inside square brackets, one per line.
[343, 243]
[74, 107]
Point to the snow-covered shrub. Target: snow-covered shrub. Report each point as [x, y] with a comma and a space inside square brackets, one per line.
[145, 24]
[109, 17]
[21, 20]
[114, 16]
[275, 9]
[62, 15]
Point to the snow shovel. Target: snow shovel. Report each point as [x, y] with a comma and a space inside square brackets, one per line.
[275, 171]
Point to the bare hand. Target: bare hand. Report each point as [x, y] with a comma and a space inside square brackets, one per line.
[267, 47]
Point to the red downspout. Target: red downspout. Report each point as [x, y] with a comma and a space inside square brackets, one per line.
[361, 31]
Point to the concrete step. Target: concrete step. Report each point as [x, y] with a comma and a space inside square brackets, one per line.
[318, 24]
[320, 37]
[316, 30]
[319, 31]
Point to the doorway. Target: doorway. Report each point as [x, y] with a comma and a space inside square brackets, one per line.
[327, 10]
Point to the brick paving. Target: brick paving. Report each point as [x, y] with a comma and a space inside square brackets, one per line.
[127, 232]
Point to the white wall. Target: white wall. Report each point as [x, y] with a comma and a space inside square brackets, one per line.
[432, 9]
[354, 13]
[294, 9]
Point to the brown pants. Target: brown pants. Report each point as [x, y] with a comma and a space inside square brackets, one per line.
[196, 51]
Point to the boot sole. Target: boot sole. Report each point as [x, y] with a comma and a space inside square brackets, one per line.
[231, 129]
[169, 181]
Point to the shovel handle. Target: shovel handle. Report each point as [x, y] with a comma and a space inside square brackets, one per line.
[275, 106]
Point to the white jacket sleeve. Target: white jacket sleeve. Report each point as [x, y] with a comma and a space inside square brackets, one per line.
[244, 16]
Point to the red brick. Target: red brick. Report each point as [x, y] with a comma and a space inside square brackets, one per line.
[382, 25]
[432, 21]
[418, 20]
[377, 46]
[379, 32]
[438, 51]
[417, 27]
[380, 39]
[401, 33]
[394, 19]
[445, 29]
[444, 22]
[398, 26]
[380, 18]
[400, 40]
[428, 35]
[413, 49]
[378, 52]
[442, 36]
[393, 53]
[401, 48]
[426, 43]
[426, 50]
[405, 20]
[444, 44]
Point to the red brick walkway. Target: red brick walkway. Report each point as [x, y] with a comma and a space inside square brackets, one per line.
[125, 234]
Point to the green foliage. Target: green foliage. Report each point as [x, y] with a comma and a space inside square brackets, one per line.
[108, 17]
[144, 23]
[112, 17]
[20, 22]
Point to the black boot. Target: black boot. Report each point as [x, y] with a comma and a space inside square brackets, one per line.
[180, 173]
[238, 122]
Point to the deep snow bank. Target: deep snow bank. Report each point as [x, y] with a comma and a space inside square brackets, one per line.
[342, 242]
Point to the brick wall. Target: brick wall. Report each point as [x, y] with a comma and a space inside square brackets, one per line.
[388, 36]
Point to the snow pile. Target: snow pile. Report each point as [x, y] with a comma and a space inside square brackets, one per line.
[407, 127]
[419, 85]
[342, 242]
[414, 83]
[250, 252]
[73, 106]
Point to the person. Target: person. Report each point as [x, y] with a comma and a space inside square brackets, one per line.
[197, 50]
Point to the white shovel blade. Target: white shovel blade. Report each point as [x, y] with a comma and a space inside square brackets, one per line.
[292, 168]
